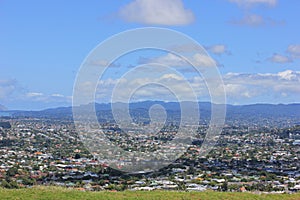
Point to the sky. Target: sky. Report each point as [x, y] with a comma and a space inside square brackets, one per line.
[254, 43]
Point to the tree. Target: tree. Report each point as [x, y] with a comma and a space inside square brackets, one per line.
[5, 184]
[28, 181]
[77, 156]
[224, 186]
[12, 171]
[14, 185]
[181, 186]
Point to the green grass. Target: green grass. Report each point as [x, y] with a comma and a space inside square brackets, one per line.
[48, 193]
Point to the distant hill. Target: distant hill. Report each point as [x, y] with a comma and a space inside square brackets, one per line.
[255, 112]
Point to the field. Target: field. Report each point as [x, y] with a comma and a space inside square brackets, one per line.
[48, 193]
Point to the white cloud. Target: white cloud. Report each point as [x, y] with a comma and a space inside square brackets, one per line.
[294, 50]
[285, 82]
[218, 49]
[292, 53]
[44, 98]
[277, 58]
[190, 48]
[57, 95]
[250, 19]
[171, 76]
[123, 87]
[250, 3]
[289, 75]
[202, 60]
[198, 60]
[34, 94]
[239, 87]
[157, 12]
[168, 59]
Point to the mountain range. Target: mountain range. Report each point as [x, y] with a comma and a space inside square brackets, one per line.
[289, 113]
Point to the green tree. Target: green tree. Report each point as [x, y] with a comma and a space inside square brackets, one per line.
[14, 185]
[12, 171]
[224, 186]
[5, 184]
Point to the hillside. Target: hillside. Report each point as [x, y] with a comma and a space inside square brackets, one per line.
[256, 113]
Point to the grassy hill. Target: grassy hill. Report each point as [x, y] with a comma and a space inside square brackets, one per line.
[48, 193]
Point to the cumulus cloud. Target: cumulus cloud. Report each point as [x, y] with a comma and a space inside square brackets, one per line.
[255, 20]
[123, 87]
[198, 60]
[168, 59]
[202, 60]
[261, 84]
[277, 58]
[218, 49]
[289, 75]
[294, 50]
[234, 89]
[238, 86]
[157, 12]
[291, 54]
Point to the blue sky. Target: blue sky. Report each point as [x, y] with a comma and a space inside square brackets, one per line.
[43, 43]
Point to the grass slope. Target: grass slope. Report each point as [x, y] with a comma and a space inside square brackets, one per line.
[47, 193]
